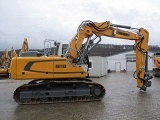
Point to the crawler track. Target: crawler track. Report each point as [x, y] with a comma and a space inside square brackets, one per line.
[53, 91]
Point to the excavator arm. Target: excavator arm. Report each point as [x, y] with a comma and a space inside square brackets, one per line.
[13, 53]
[78, 49]
[24, 46]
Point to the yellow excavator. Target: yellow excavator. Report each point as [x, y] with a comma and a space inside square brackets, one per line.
[3, 71]
[65, 78]
[4, 64]
[156, 67]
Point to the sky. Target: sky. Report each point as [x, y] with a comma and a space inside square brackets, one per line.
[58, 20]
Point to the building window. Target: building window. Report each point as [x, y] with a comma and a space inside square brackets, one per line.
[131, 58]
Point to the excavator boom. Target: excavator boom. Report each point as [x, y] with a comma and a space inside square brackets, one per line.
[24, 46]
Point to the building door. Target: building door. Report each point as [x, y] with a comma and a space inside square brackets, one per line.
[118, 66]
[131, 62]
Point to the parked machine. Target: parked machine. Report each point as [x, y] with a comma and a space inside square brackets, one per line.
[64, 78]
[6, 59]
[13, 53]
[156, 67]
[4, 71]
[4, 64]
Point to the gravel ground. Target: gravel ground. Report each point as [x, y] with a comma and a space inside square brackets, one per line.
[123, 101]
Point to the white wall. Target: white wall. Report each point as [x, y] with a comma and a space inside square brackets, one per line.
[99, 66]
[150, 61]
[104, 66]
[118, 58]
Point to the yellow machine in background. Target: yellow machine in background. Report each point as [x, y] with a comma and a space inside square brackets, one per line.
[156, 68]
[4, 71]
[13, 53]
[24, 46]
[4, 64]
[64, 78]
[6, 59]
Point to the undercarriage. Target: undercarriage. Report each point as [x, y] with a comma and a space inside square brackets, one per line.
[59, 90]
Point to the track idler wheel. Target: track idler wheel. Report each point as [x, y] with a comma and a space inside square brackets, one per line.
[96, 91]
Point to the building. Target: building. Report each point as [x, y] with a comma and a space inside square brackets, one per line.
[126, 61]
[119, 57]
